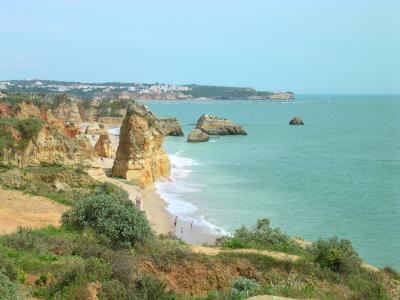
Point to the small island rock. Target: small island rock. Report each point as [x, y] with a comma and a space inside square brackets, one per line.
[196, 136]
[296, 121]
[218, 126]
[169, 126]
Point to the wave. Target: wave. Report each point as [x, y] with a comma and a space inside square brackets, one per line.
[114, 131]
[179, 187]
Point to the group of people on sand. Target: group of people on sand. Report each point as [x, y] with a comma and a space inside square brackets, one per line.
[176, 224]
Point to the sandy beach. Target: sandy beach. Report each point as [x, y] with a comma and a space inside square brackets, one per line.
[155, 207]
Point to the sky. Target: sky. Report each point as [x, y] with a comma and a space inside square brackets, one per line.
[306, 46]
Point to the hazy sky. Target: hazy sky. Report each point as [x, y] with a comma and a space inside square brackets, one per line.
[308, 46]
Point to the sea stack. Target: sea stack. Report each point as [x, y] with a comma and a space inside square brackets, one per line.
[296, 121]
[218, 126]
[196, 136]
[140, 157]
[169, 126]
[103, 146]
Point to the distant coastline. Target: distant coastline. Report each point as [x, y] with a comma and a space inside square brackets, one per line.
[140, 91]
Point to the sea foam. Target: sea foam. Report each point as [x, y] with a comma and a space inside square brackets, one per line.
[179, 187]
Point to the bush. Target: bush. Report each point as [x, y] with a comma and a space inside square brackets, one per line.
[112, 289]
[150, 288]
[336, 255]
[110, 188]
[8, 268]
[107, 214]
[8, 289]
[261, 236]
[245, 286]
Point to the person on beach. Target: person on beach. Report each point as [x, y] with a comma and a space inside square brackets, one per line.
[137, 202]
[191, 225]
[175, 221]
[181, 231]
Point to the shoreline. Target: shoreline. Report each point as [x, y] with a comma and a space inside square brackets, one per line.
[155, 209]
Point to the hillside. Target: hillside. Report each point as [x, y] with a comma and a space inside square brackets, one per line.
[141, 91]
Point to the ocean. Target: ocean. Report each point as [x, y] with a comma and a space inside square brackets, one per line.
[339, 174]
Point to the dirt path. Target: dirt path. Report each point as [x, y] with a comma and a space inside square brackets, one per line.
[273, 254]
[21, 210]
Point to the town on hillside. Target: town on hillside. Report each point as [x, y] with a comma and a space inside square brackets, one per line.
[141, 91]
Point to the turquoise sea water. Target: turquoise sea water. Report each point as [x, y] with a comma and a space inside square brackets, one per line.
[339, 174]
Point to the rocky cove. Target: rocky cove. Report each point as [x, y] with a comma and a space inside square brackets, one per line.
[141, 160]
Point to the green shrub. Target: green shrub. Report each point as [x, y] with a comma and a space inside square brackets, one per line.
[8, 267]
[110, 188]
[366, 286]
[8, 289]
[105, 213]
[392, 272]
[336, 255]
[42, 279]
[245, 286]
[261, 236]
[148, 287]
[23, 239]
[112, 289]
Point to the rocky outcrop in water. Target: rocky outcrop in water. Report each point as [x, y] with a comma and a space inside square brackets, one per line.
[281, 96]
[103, 146]
[218, 126]
[140, 157]
[196, 136]
[169, 126]
[296, 121]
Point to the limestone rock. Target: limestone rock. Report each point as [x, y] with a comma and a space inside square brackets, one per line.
[93, 128]
[196, 135]
[103, 146]
[68, 111]
[169, 126]
[26, 109]
[296, 121]
[53, 143]
[218, 126]
[140, 157]
[6, 110]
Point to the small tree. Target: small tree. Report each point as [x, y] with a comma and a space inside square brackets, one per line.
[107, 214]
[337, 255]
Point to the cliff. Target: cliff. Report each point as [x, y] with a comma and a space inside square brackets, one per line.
[32, 142]
[68, 111]
[140, 157]
[169, 126]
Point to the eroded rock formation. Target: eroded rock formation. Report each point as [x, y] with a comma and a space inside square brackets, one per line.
[296, 121]
[68, 111]
[94, 128]
[218, 126]
[26, 109]
[196, 135]
[140, 157]
[169, 126]
[51, 142]
[103, 146]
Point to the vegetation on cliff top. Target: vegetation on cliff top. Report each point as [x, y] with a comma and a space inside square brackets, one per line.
[97, 251]
[27, 128]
